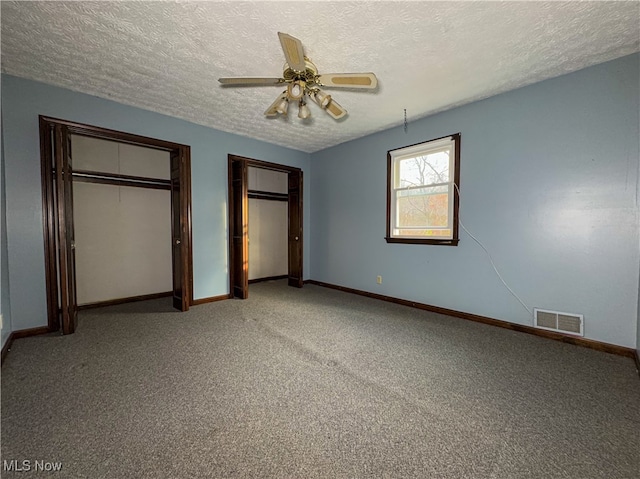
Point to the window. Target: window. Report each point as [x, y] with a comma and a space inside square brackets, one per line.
[422, 196]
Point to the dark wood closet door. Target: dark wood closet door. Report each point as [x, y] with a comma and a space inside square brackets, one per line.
[239, 229]
[65, 231]
[179, 218]
[295, 229]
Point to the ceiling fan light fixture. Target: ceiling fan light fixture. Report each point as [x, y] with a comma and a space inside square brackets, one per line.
[303, 110]
[296, 89]
[321, 98]
[283, 106]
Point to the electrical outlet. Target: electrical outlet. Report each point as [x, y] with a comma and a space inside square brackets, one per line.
[379, 279]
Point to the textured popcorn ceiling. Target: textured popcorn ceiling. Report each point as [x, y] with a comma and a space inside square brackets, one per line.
[428, 56]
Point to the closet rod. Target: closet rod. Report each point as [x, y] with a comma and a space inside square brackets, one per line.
[120, 180]
[267, 195]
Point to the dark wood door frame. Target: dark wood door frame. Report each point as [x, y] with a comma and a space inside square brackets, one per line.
[54, 214]
[239, 218]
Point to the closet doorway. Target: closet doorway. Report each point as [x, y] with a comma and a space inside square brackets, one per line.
[284, 186]
[58, 177]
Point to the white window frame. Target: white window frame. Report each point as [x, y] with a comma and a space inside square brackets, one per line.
[394, 157]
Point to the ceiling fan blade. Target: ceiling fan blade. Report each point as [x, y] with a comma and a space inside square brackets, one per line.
[250, 81]
[293, 52]
[272, 110]
[349, 80]
[335, 110]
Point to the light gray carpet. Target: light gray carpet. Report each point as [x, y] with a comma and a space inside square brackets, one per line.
[314, 383]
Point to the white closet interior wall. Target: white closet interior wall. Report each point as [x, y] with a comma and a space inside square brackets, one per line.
[268, 225]
[122, 233]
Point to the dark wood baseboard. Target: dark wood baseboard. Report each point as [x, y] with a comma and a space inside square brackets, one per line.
[22, 333]
[130, 299]
[211, 299]
[588, 343]
[268, 278]
[25, 333]
[637, 358]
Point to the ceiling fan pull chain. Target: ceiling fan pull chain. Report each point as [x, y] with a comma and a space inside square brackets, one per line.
[405, 120]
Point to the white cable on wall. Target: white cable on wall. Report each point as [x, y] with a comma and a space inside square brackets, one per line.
[493, 265]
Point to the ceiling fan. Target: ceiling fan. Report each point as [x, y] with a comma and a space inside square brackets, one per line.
[302, 80]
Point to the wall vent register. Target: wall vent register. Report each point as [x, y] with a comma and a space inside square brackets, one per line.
[567, 323]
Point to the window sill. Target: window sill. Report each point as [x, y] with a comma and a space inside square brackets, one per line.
[447, 242]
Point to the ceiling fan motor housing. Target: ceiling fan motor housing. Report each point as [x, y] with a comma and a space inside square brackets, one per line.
[307, 76]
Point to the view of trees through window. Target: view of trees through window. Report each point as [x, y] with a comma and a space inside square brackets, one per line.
[422, 195]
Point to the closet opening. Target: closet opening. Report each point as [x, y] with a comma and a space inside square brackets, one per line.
[117, 219]
[265, 223]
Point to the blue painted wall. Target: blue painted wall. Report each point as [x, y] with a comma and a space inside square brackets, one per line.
[24, 100]
[549, 175]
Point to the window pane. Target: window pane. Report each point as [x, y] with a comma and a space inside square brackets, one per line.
[423, 207]
[429, 169]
